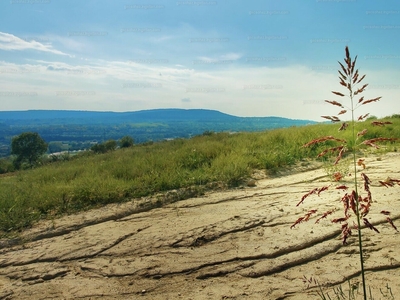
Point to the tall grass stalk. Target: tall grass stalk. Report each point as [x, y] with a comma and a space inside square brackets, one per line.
[354, 201]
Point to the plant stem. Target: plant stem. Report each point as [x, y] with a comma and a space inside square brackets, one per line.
[360, 247]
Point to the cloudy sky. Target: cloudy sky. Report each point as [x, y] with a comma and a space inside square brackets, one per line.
[245, 58]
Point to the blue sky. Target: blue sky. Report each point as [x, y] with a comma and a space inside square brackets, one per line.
[245, 58]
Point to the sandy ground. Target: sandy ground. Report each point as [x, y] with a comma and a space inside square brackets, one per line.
[232, 244]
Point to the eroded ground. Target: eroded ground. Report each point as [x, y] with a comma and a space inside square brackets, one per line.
[234, 244]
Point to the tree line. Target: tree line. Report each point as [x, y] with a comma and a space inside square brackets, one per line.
[28, 148]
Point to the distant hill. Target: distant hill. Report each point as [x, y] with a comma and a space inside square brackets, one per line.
[79, 129]
[144, 116]
[93, 117]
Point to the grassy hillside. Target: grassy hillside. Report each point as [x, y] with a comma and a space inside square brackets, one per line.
[91, 180]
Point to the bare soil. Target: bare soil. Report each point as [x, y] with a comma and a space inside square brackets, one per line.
[231, 244]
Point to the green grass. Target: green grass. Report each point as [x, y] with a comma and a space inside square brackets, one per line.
[88, 181]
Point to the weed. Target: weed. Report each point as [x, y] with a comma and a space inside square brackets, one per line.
[354, 203]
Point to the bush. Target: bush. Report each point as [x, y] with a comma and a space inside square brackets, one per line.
[98, 148]
[208, 132]
[6, 165]
[110, 145]
[126, 142]
[107, 146]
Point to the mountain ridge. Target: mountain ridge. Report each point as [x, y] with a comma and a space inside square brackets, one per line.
[78, 130]
[151, 115]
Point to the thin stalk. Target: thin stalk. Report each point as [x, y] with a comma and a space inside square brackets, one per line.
[360, 246]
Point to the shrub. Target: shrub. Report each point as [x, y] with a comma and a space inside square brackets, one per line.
[6, 165]
[107, 146]
[126, 142]
[110, 145]
[98, 148]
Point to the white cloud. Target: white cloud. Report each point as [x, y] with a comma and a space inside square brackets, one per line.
[294, 91]
[224, 58]
[10, 42]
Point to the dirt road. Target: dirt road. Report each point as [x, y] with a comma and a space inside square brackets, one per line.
[234, 244]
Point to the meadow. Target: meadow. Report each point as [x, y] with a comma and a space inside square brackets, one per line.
[91, 180]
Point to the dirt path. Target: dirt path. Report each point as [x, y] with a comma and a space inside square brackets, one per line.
[235, 244]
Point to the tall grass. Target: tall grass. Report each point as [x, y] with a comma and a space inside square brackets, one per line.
[357, 203]
[91, 180]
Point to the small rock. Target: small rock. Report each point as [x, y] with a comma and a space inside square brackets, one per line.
[251, 183]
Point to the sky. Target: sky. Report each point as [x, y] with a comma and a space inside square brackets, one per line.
[245, 58]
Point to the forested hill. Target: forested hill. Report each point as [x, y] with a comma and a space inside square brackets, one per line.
[94, 117]
[77, 129]
[37, 117]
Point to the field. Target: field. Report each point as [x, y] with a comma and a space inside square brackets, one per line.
[190, 166]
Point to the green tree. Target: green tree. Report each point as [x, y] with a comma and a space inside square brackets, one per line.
[107, 146]
[55, 147]
[28, 147]
[98, 148]
[110, 145]
[126, 142]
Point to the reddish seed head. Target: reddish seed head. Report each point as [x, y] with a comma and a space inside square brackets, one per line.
[346, 232]
[324, 216]
[370, 100]
[344, 69]
[344, 125]
[369, 225]
[360, 163]
[360, 79]
[342, 187]
[338, 93]
[334, 103]
[378, 123]
[361, 133]
[354, 202]
[391, 223]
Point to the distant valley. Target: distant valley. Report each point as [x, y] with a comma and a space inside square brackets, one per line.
[77, 130]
